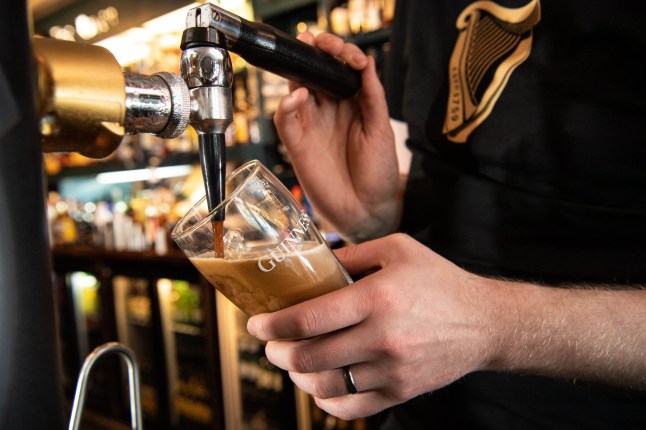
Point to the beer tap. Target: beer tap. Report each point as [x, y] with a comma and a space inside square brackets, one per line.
[206, 68]
[87, 104]
[270, 49]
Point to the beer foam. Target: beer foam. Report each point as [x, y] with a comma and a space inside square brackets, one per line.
[269, 279]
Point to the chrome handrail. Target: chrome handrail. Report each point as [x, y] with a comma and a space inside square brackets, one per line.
[134, 384]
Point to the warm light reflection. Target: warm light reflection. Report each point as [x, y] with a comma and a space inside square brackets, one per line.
[130, 46]
[144, 174]
[136, 44]
[87, 26]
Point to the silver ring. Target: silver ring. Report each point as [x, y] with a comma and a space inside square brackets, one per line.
[349, 380]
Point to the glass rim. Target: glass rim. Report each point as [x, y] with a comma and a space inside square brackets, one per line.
[255, 165]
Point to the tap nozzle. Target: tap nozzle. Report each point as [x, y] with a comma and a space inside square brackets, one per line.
[206, 68]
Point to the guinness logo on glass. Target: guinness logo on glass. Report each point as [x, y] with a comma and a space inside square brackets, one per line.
[492, 42]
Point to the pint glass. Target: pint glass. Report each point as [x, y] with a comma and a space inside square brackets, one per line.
[273, 256]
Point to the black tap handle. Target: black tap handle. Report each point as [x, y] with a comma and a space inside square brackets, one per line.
[270, 49]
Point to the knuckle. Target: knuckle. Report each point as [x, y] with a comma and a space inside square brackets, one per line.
[399, 393]
[400, 240]
[402, 247]
[400, 390]
[306, 323]
[301, 360]
[385, 296]
[391, 346]
[353, 49]
[381, 298]
[320, 388]
[325, 36]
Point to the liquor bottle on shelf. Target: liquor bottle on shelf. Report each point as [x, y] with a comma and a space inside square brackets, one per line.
[140, 223]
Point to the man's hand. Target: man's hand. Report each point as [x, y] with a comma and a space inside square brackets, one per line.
[414, 325]
[343, 151]
[417, 323]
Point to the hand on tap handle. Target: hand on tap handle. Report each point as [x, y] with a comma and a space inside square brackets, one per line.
[206, 69]
[270, 49]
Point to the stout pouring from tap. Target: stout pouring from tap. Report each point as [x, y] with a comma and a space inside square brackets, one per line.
[206, 69]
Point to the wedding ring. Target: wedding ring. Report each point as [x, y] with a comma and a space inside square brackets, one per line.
[349, 380]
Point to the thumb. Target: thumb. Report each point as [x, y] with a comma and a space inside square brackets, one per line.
[286, 117]
[372, 97]
[363, 258]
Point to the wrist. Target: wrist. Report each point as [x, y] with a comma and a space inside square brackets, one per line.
[505, 305]
[383, 220]
[374, 226]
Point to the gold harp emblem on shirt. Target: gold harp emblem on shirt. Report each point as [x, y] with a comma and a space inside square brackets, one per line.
[492, 42]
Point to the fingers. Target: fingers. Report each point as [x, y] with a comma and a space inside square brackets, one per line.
[352, 345]
[332, 394]
[312, 317]
[331, 383]
[355, 405]
[292, 102]
[338, 309]
[307, 37]
[347, 52]
[286, 116]
[336, 47]
[372, 97]
[367, 256]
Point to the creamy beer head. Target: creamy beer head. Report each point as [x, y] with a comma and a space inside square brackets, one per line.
[269, 280]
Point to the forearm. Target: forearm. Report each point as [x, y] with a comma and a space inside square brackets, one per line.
[572, 333]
